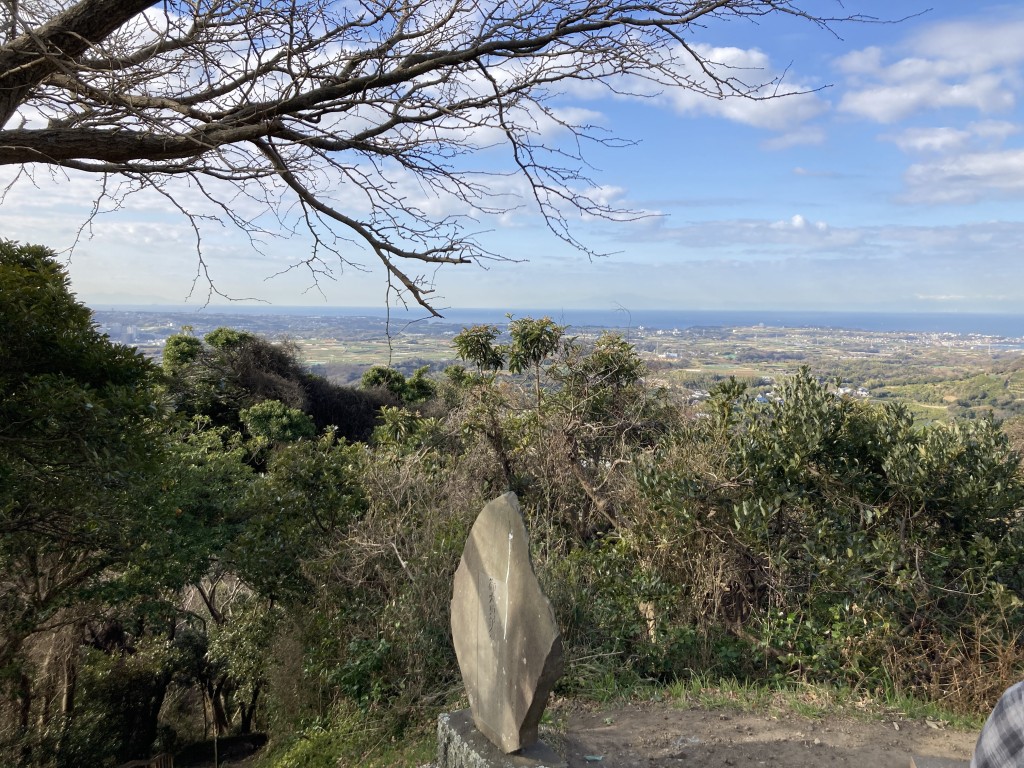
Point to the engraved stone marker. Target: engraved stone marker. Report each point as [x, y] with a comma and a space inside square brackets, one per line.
[506, 639]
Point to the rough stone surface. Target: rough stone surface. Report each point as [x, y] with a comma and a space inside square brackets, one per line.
[506, 639]
[461, 745]
[923, 761]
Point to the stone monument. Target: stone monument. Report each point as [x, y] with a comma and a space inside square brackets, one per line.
[506, 638]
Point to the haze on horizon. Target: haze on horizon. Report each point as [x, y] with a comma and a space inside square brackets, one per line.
[893, 182]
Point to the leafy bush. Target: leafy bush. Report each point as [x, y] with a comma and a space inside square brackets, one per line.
[275, 422]
[845, 543]
[298, 580]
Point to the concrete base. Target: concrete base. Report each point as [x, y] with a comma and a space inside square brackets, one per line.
[923, 761]
[461, 745]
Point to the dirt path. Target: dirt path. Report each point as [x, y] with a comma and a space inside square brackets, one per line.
[666, 735]
[662, 735]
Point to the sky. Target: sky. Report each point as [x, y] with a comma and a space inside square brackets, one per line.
[892, 180]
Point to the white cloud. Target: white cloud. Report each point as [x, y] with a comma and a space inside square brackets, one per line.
[930, 139]
[996, 130]
[789, 263]
[997, 245]
[973, 46]
[968, 68]
[967, 178]
[772, 98]
[815, 173]
[576, 116]
[780, 105]
[750, 239]
[866, 61]
[799, 223]
[804, 135]
[971, 65]
[946, 139]
[888, 103]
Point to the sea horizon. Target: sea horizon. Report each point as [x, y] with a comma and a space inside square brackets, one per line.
[1009, 325]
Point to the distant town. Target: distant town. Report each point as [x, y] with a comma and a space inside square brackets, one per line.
[866, 364]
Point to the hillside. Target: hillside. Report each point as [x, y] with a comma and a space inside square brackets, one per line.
[228, 542]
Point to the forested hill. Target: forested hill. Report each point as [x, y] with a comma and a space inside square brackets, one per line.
[226, 542]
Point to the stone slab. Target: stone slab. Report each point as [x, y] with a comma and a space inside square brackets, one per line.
[461, 745]
[924, 761]
[503, 628]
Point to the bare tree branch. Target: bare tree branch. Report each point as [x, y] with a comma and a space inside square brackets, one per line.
[329, 107]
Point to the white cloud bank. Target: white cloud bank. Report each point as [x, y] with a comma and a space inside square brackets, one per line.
[970, 74]
[941, 139]
[766, 96]
[783, 105]
[967, 178]
[971, 64]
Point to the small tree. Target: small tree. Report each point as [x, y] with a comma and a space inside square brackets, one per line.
[476, 345]
[533, 342]
[180, 351]
[275, 422]
[384, 377]
[416, 389]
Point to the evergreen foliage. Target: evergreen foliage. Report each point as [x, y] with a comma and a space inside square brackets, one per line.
[239, 564]
[230, 371]
[86, 508]
[418, 388]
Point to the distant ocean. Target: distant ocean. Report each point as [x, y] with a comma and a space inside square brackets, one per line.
[669, 319]
[1006, 325]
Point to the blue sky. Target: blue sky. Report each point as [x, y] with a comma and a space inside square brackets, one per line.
[895, 184]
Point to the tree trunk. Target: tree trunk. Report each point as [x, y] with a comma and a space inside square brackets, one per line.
[67, 702]
[249, 711]
[25, 716]
[218, 712]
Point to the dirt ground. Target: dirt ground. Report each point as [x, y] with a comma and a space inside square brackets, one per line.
[662, 735]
